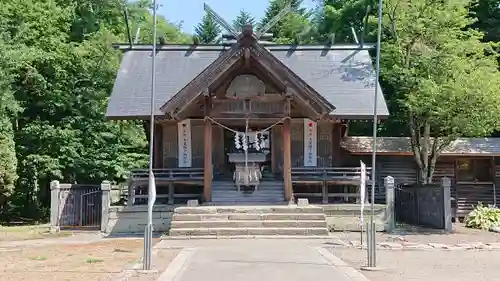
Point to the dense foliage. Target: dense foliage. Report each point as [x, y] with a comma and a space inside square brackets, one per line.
[57, 69]
[439, 76]
[483, 217]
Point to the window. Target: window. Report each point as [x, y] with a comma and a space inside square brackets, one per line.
[474, 170]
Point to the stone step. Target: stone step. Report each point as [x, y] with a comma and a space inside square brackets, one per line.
[267, 200]
[260, 191]
[248, 231]
[247, 217]
[249, 223]
[249, 197]
[290, 209]
[242, 188]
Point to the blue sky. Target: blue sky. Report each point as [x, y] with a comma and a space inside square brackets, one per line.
[190, 12]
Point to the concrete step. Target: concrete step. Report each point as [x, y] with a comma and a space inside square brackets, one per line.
[248, 197]
[289, 209]
[249, 223]
[236, 192]
[267, 200]
[247, 217]
[248, 231]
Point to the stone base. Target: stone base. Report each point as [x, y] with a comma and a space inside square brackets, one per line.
[339, 217]
[133, 219]
[248, 220]
[346, 217]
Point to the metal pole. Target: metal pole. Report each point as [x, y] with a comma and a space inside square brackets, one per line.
[148, 233]
[375, 121]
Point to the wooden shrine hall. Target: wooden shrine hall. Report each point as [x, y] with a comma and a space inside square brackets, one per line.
[246, 120]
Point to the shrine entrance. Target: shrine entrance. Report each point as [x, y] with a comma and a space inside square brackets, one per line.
[247, 152]
[235, 153]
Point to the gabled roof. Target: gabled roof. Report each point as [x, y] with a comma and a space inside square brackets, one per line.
[342, 75]
[401, 145]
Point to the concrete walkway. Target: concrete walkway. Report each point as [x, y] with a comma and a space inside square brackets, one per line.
[259, 260]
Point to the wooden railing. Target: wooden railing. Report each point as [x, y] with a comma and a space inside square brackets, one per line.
[165, 176]
[306, 181]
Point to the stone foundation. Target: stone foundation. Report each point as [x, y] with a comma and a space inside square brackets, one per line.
[132, 220]
[346, 217]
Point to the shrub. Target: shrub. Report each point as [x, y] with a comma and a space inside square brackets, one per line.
[483, 217]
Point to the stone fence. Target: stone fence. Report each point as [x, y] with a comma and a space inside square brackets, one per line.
[425, 205]
[79, 206]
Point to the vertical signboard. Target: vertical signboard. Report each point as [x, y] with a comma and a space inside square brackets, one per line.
[310, 143]
[184, 134]
[362, 195]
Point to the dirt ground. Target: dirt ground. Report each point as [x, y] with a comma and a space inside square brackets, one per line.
[460, 234]
[29, 232]
[416, 265]
[108, 259]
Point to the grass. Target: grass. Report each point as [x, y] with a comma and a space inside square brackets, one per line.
[94, 260]
[29, 232]
[38, 258]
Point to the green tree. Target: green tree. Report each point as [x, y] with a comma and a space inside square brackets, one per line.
[334, 20]
[243, 19]
[440, 76]
[207, 31]
[8, 110]
[487, 13]
[57, 73]
[295, 27]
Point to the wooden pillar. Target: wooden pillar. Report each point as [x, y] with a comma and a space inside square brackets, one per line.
[158, 144]
[274, 150]
[287, 159]
[207, 182]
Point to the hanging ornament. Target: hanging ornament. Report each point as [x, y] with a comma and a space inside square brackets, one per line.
[245, 142]
[257, 144]
[237, 141]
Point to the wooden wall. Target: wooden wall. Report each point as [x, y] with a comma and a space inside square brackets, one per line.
[170, 144]
[327, 147]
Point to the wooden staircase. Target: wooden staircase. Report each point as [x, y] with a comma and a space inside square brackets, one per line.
[268, 192]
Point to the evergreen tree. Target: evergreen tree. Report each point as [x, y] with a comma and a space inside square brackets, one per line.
[207, 31]
[243, 19]
[294, 25]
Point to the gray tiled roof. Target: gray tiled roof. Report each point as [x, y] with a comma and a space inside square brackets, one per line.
[343, 77]
[462, 146]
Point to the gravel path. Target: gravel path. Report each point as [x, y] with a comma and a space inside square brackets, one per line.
[426, 265]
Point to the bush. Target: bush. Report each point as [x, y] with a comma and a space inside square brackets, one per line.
[483, 217]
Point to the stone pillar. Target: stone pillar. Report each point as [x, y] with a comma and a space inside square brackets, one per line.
[55, 190]
[390, 224]
[106, 202]
[446, 185]
[131, 192]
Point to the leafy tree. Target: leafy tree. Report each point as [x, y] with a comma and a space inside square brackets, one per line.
[57, 70]
[444, 83]
[207, 31]
[487, 13]
[8, 110]
[295, 27]
[334, 20]
[243, 19]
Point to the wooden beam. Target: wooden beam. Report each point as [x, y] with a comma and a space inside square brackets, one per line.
[287, 154]
[207, 175]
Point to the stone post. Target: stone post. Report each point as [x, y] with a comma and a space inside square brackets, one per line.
[390, 224]
[446, 184]
[106, 202]
[55, 190]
